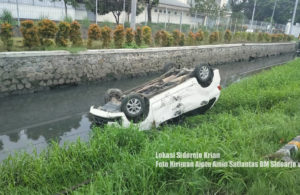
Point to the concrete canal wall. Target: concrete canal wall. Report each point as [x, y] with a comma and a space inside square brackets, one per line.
[23, 72]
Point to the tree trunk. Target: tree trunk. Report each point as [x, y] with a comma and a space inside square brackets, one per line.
[149, 9]
[66, 9]
[117, 17]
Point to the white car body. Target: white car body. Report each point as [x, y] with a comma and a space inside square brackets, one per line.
[180, 99]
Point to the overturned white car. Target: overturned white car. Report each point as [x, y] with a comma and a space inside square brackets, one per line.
[177, 92]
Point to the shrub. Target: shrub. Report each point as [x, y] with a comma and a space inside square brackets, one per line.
[47, 30]
[199, 36]
[94, 34]
[106, 36]
[237, 36]
[267, 37]
[191, 38]
[214, 37]
[227, 36]
[290, 37]
[176, 34]
[30, 34]
[277, 37]
[243, 36]
[250, 36]
[138, 36]
[119, 36]
[182, 39]
[63, 34]
[6, 36]
[158, 37]
[129, 34]
[166, 39]
[75, 34]
[147, 35]
[260, 37]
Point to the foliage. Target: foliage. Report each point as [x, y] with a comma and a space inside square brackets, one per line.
[63, 34]
[106, 36]
[260, 37]
[85, 22]
[119, 36]
[176, 34]
[182, 39]
[138, 35]
[6, 35]
[47, 30]
[166, 39]
[129, 34]
[267, 37]
[147, 35]
[7, 17]
[75, 34]
[30, 34]
[94, 34]
[157, 38]
[68, 19]
[214, 37]
[207, 7]
[265, 9]
[237, 36]
[191, 38]
[199, 36]
[227, 36]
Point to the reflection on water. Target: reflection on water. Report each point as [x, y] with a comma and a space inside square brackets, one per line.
[33, 120]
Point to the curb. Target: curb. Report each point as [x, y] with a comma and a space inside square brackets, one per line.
[288, 150]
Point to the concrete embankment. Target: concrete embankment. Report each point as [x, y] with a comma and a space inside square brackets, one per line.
[23, 72]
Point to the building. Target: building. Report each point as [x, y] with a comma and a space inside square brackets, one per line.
[167, 11]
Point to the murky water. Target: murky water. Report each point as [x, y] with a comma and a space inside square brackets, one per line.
[31, 121]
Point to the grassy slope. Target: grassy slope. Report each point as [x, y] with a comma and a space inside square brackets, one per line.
[252, 119]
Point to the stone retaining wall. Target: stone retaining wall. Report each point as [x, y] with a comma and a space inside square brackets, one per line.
[22, 72]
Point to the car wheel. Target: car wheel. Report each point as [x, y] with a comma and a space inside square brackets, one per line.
[112, 93]
[134, 107]
[169, 65]
[204, 75]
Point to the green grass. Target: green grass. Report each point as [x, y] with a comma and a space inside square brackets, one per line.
[252, 119]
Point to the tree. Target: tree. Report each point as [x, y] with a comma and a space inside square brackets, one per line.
[150, 5]
[74, 3]
[264, 9]
[237, 7]
[208, 7]
[114, 6]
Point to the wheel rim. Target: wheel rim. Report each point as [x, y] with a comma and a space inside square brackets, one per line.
[204, 72]
[134, 106]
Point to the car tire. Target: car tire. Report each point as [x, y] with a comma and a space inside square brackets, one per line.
[204, 75]
[169, 65]
[112, 93]
[134, 107]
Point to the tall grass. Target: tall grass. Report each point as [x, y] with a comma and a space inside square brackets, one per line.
[249, 122]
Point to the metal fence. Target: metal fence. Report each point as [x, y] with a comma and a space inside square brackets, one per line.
[162, 18]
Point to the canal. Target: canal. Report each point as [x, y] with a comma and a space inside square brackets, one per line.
[33, 120]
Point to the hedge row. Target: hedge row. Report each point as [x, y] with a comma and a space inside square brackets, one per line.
[45, 31]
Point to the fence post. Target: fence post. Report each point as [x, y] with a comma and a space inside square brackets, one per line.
[235, 25]
[18, 13]
[146, 14]
[96, 11]
[181, 21]
[166, 18]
